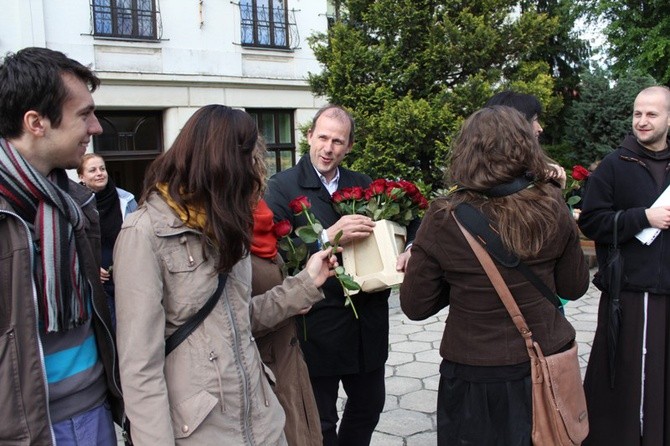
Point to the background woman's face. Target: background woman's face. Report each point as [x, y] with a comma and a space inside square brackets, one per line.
[537, 128]
[94, 174]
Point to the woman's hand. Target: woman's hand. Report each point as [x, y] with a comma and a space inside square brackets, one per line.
[104, 275]
[557, 173]
[320, 266]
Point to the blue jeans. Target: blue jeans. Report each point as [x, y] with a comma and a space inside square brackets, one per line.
[91, 428]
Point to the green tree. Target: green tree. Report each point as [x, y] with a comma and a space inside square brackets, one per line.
[567, 55]
[638, 35]
[411, 70]
[602, 117]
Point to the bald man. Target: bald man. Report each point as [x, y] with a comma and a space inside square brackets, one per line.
[634, 410]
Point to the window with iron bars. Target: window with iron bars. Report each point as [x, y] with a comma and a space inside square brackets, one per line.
[128, 19]
[268, 23]
[277, 127]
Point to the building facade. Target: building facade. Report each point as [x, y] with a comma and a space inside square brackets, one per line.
[160, 60]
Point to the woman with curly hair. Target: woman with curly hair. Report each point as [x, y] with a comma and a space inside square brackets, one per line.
[499, 169]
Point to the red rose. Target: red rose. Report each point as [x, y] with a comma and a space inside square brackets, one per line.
[377, 187]
[357, 193]
[346, 193]
[393, 190]
[580, 173]
[410, 188]
[337, 196]
[282, 229]
[298, 204]
[423, 203]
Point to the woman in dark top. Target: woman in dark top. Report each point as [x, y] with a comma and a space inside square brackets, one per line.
[113, 205]
[484, 396]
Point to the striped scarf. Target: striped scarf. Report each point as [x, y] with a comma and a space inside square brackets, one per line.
[56, 220]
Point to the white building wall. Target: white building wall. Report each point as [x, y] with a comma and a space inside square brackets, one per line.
[197, 61]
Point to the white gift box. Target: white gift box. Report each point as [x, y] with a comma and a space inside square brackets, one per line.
[372, 260]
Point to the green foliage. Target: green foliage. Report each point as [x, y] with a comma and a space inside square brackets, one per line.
[638, 34]
[602, 117]
[412, 70]
[408, 138]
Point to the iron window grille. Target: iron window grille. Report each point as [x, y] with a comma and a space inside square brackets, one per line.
[277, 127]
[268, 24]
[127, 19]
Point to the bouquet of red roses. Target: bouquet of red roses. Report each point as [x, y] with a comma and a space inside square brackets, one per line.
[296, 254]
[399, 201]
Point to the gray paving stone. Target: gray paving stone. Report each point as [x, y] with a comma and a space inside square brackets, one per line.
[406, 329]
[429, 336]
[391, 402]
[398, 358]
[422, 439]
[422, 400]
[394, 338]
[591, 317]
[432, 356]
[416, 370]
[581, 325]
[584, 336]
[382, 439]
[432, 382]
[401, 385]
[404, 423]
[411, 347]
[435, 326]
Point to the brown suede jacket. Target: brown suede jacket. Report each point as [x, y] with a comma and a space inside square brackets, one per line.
[444, 270]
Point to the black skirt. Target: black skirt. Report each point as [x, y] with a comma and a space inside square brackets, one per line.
[484, 406]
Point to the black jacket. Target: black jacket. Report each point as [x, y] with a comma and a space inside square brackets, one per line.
[623, 181]
[337, 343]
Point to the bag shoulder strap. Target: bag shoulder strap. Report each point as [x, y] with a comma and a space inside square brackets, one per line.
[500, 286]
[192, 323]
[477, 224]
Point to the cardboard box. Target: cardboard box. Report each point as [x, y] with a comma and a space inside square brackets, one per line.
[371, 261]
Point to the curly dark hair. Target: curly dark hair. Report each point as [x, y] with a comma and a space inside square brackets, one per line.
[496, 145]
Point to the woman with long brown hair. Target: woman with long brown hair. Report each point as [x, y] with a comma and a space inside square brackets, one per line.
[499, 169]
[194, 224]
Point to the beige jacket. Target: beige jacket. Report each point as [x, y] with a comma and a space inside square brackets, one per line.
[213, 388]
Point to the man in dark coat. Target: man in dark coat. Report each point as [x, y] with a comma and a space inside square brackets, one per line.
[635, 410]
[337, 346]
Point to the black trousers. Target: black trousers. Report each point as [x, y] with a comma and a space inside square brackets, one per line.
[365, 401]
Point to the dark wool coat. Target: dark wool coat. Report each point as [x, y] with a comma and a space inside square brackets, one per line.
[623, 181]
[336, 342]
